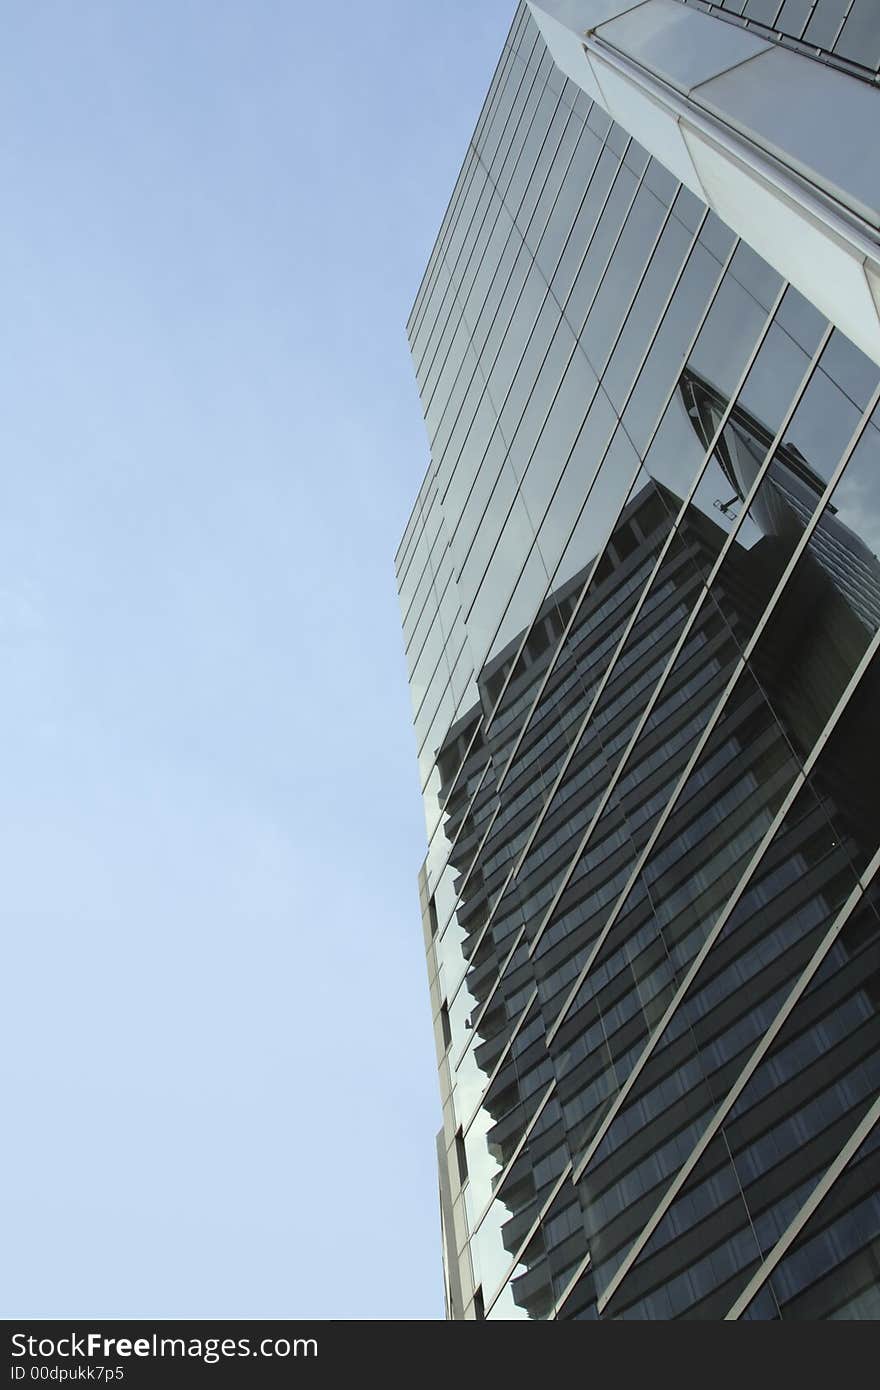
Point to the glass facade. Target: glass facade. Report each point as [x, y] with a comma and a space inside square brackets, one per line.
[640, 600]
[846, 32]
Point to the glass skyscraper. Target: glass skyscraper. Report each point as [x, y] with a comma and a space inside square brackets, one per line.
[641, 599]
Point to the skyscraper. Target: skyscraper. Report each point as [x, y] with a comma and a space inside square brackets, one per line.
[640, 598]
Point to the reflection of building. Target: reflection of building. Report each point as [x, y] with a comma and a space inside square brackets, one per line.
[640, 643]
[788, 495]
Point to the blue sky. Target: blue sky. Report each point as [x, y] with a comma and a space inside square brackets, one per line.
[217, 1055]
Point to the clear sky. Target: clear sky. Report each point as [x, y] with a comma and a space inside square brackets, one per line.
[218, 1069]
